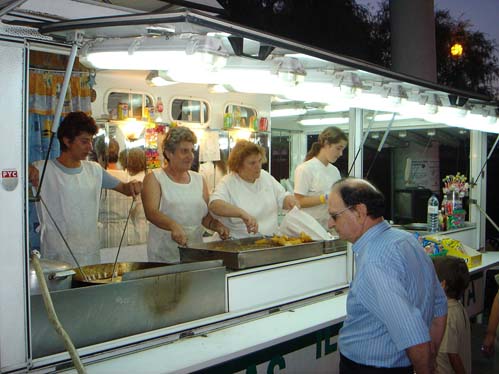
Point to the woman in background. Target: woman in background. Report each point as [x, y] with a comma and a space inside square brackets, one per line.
[314, 177]
[134, 163]
[175, 200]
[114, 207]
[248, 199]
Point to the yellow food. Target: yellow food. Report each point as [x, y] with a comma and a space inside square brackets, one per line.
[284, 240]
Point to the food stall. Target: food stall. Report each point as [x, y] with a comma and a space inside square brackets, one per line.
[274, 308]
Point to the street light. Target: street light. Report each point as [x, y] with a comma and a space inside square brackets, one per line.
[456, 50]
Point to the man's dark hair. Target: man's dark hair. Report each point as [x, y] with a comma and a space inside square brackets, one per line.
[355, 191]
[455, 273]
[73, 125]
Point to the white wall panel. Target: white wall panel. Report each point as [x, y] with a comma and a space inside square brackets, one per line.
[13, 351]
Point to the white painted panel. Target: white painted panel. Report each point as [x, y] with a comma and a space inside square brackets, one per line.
[286, 283]
[13, 339]
[71, 8]
[467, 237]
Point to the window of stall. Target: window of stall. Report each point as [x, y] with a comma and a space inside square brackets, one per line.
[240, 116]
[414, 158]
[190, 110]
[123, 104]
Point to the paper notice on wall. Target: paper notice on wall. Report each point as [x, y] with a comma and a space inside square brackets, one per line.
[426, 173]
[209, 148]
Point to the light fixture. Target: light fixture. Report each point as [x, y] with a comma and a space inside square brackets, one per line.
[337, 107]
[396, 93]
[208, 49]
[132, 128]
[432, 103]
[350, 84]
[158, 78]
[290, 70]
[288, 112]
[324, 121]
[146, 53]
[402, 134]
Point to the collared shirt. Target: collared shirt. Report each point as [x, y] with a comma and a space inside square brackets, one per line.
[393, 298]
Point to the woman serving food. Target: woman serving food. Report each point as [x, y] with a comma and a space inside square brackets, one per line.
[175, 200]
[247, 200]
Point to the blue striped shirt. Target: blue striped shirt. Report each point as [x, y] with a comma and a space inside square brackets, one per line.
[392, 300]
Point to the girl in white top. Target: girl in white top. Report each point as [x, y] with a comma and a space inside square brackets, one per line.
[175, 200]
[314, 177]
[248, 199]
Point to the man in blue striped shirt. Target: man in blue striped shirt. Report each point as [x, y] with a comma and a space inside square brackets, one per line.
[396, 308]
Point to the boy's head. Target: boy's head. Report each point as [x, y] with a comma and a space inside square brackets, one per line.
[453, 274]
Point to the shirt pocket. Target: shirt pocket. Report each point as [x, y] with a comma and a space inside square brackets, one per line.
[315, 186]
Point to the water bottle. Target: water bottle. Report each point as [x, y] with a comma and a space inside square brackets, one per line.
[432, 218]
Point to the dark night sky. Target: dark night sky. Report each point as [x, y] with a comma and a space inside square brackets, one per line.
[483, 14]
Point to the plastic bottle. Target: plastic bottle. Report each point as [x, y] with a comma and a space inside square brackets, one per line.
[432, 218]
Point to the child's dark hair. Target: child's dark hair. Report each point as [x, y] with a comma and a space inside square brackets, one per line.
[455, 273]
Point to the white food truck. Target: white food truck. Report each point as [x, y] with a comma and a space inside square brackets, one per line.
[137, 74]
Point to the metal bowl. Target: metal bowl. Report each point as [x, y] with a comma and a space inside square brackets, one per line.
[102, 273]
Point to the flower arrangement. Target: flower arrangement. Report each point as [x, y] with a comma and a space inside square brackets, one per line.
[456, 183]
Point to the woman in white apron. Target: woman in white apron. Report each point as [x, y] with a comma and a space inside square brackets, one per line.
[248, 199]
[314, 177]
[175, 200]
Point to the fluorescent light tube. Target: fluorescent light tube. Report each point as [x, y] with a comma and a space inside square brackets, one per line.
[324, 121]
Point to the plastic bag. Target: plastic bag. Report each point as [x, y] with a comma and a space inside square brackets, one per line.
[298, 221]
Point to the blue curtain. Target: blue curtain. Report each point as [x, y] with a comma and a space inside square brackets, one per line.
[44, 89]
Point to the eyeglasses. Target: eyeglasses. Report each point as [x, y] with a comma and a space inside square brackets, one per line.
[335, 215]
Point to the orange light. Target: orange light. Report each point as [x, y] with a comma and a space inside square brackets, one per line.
[456, 50]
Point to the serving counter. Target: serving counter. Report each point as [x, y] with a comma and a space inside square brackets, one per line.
[300, 338]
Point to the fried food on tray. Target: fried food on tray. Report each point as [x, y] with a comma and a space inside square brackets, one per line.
[283, 240]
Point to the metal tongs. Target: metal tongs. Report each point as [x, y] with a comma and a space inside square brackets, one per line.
[114, 273]
[39, 197]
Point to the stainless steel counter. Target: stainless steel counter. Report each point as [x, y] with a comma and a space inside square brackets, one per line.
[100, 313]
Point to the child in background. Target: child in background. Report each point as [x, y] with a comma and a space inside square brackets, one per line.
[489, 341]
[454, 355]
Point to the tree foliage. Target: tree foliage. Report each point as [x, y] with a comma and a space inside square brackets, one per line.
[476, 70]
[335, 25]
[344, 27]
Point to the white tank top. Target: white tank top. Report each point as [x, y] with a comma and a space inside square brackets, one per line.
[73, 201]
[184, 203]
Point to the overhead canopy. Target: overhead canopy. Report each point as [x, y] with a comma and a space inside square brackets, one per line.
[216, 51]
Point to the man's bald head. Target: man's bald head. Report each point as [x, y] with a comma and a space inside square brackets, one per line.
[355, 191]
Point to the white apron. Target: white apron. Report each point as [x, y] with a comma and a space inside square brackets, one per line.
[73, 201]
[184, 203]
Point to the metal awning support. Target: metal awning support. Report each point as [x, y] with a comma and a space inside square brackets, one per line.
[474, 182]
[381, 144]
[60, 104]
[363, 142]
[7, 5]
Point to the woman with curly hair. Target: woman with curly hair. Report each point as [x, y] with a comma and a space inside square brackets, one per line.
[248, 199]
[175, 200]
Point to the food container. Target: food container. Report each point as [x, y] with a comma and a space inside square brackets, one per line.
[264, 124]
[244, 253]
[58, 276]
[122, 111]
